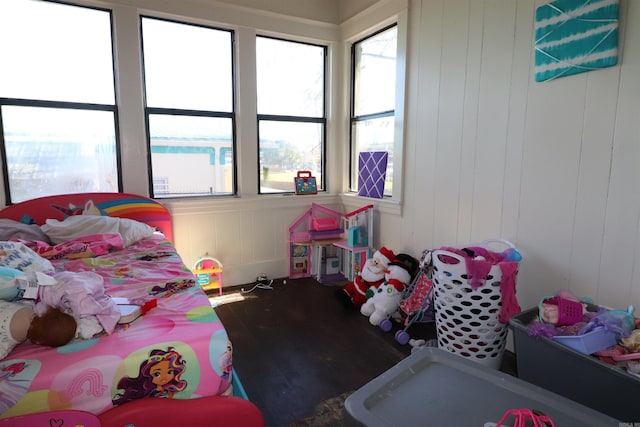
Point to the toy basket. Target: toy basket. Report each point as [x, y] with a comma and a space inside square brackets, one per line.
[467, 319]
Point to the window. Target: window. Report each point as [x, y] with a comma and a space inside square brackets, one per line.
[58, 113]
[373, 100]
[188, 78]
[291, 112]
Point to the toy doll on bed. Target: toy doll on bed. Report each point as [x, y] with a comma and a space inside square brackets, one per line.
[19, 322]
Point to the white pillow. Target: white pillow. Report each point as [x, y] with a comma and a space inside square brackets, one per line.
[83, 225]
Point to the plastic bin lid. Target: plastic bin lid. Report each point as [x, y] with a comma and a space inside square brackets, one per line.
[433, 387]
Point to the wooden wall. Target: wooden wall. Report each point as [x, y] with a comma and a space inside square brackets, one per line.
[553, 167]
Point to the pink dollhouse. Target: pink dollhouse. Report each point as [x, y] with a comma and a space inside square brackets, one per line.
[310, 235]
[328, 245]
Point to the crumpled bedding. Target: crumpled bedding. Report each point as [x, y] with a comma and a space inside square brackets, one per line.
[82, 295]
[91, 245]
[82, 225]
[86, 374]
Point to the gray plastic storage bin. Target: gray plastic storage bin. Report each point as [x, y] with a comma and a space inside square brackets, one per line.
[435, 388]
[583, 378]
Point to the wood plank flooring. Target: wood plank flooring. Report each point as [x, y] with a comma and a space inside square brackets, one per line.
[296, 345]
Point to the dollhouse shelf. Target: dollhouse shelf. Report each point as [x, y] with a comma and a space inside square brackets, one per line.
[309, 236]
[328, 245]
[352, 258]
[354, 251]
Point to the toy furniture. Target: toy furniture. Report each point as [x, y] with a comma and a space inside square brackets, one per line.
[351, 259]
[310, 237]
[326, 263]
[354, 251]
[209, 273]
[329, 245]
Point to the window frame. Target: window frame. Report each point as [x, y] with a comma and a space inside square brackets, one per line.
[158, 111]
[321, 183]
[355, 119]
[357, 31]
[69, 105]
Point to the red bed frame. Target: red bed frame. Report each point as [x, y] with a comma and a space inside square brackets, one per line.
[147, 412]
[121, 205]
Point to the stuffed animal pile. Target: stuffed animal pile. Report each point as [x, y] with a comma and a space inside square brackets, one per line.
[386, 299]
[372, 275]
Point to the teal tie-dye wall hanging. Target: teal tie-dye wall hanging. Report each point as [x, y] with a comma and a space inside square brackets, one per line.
[575, 36]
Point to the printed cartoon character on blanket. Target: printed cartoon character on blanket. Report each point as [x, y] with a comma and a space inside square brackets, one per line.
[355, 293]
[385, 301]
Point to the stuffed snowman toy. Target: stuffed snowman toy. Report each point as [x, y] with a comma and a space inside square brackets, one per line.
[387, 297]
[355, 293]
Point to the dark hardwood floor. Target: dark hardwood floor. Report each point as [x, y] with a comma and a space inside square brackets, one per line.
[296, 345]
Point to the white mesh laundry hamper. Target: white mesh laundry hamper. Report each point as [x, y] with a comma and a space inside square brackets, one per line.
[467, 319]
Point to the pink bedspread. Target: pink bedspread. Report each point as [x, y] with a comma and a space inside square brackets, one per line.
[179, 349]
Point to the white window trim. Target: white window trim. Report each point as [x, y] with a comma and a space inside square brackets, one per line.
[361, 26]
[247, 23]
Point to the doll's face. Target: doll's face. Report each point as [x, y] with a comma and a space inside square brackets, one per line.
[54, 328]
[162, 373]
[372, 271]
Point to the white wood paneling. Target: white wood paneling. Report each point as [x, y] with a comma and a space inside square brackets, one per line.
[521, 76]
[469, 124]
[454, 28]
[421, 129]
[618, 279]
[493, 113]
[249, 236]
[550, 166]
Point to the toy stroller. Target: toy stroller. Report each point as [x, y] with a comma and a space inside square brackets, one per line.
[417, 304]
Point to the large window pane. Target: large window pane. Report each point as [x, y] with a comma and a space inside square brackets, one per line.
[54, 151]
[57, 99]
[187, 66]
[285, 148]
[291, 112]
[189, 93]
[290, 78]
[192, 156]
[373, 103]
[375, 71]
[55, 52]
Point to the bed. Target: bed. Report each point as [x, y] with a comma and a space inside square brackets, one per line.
[97, 375]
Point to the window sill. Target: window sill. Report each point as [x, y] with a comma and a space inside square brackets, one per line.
[386, 205]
